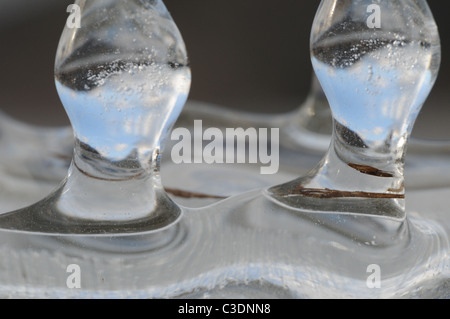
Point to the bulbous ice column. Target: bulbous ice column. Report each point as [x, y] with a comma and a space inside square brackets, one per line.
[123, 78]
[377, 64]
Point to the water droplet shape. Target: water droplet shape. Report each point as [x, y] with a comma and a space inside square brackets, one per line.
[376, 80]
[123, 78]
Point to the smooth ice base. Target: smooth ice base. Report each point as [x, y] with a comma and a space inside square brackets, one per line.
[83, 205]
[335, 186]
[242, 247]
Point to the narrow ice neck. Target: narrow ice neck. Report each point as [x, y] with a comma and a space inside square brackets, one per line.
[136, 165]
[382, 157]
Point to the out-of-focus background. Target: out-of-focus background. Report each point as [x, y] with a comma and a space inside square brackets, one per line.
[250, 55]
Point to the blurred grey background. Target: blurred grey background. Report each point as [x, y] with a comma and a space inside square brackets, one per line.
[250, 55]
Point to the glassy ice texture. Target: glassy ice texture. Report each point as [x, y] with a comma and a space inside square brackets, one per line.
[123, 78]
[377, 64]
[143, 99]
[377, 79]
[111, 218]
[243, 247]
[33, 161]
